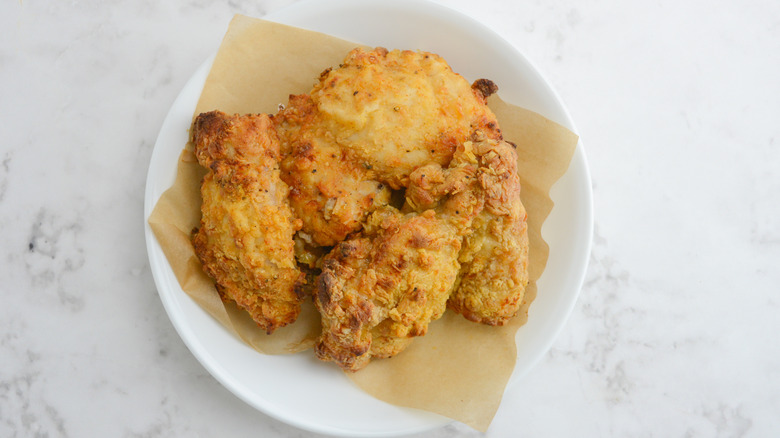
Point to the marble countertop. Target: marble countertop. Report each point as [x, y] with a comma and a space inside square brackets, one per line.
[676, 329]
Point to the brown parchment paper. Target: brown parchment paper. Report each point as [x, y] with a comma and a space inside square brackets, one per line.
[459, 369]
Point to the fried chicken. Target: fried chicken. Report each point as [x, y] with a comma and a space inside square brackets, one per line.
[383, 287]
[479, 193]
[317, 183]
[366, 125]
[245, 238]
[398, 110]
[331, 192]
[494, 258]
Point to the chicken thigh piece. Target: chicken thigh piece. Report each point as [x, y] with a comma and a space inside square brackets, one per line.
[479, 193]
[494, 258]
[380, 289]
[245, 238]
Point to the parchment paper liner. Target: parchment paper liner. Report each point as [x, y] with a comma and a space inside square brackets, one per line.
[459, 369]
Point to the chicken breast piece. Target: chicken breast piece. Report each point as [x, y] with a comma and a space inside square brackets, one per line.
[380, 289]
[366, 125]
[398, 110]
[245, 238]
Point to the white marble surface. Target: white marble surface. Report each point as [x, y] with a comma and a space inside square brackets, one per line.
[676, 329]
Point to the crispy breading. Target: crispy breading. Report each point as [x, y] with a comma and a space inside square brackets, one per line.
[366, 125]
[331, 192]
[383, 287]
[398, 110]
[494, 272]
[245, 238]
[480, 194]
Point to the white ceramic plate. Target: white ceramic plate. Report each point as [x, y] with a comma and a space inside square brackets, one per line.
[298, 389]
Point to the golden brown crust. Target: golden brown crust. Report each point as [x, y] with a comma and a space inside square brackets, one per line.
[494, 258]
[368, 124]
[479, 193]
[379, 290]
[244, 241]
[398, 110]
[329, 191]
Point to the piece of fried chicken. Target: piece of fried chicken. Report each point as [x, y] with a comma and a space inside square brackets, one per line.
[245, 238]
[380, 289]
[330, 191]
[480, 194]
[398, 110]
[366, 125]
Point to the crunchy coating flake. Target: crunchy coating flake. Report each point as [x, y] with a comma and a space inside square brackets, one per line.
[245, 238]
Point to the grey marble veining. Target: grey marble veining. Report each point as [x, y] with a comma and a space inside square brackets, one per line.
[675, 330]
